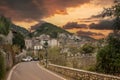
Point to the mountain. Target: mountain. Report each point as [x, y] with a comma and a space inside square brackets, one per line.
[88, 38]
[19, 29]
[37, 25]
[49, 29]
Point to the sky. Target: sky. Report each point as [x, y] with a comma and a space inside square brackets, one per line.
[76, 16]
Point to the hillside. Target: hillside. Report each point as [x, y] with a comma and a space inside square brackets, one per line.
[49, 29]
[88, 38]
[6, 25]
[19, 29]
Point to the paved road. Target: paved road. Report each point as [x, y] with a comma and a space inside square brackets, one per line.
[32, 71]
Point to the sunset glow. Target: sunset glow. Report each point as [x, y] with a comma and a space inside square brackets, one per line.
[58, 12]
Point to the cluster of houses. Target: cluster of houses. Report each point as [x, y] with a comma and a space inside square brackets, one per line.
[63, 40]
[38, 42]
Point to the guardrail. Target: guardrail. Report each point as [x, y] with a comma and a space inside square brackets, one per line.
[78, 74]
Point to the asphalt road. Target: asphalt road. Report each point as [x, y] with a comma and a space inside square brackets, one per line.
[32, 71]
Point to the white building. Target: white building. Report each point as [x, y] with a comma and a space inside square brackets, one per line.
[28, 43]
[53, 42]
[37, 42]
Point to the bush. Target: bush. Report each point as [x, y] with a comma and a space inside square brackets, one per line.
[108, 58]
[87, 49]
[2, 66]
[55, 56]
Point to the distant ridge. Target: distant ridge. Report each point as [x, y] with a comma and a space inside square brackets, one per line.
[19, 29]
[49, 29]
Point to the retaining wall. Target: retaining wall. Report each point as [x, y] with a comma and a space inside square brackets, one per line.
[80, 74]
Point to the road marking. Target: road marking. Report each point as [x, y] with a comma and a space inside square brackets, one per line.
[11, 71]
[51, 72]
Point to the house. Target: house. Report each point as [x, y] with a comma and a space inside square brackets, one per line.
[53, 42]
[28, 43]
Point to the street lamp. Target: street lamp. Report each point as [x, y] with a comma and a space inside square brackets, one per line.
[46, 53]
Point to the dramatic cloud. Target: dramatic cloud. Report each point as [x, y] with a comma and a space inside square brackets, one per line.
[71, 25]
[88, 33]
[97, 16]
[102, 2]
[88, 20]
[102, 25]
[29, 10]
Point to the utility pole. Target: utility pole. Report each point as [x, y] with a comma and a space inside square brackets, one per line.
[46, 53]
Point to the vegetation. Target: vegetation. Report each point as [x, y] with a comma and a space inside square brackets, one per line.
[55, 56]
[16, 49]
[10, 49]
[74, 50]
[2, 66]
[114, 12]
[87, 49]
[108, 58]
[19, 40]
[7, 48]
[4, 25]
[1, 40]
[49, 29]
[21, 30]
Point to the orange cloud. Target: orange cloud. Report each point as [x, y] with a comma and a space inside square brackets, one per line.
[104, 32]
[26, 24]
[60, 12]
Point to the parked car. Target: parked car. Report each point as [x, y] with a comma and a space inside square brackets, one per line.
[27, 59]
[35, 58]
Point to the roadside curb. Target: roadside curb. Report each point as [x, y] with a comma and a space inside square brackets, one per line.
[11, 71]
[51, 72]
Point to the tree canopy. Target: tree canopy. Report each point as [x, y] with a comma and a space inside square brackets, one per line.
[19, 40]
[113, 12]
[108, 57]
[87, 49]
[4, 25]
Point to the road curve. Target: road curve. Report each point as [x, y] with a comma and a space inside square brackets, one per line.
[31, 71]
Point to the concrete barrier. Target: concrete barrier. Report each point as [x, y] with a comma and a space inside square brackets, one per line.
[78, 74]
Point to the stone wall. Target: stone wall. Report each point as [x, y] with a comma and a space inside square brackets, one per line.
[82, 62]
[80, 74]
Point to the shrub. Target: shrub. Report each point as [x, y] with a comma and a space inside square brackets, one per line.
[87, 49]
[108, 58]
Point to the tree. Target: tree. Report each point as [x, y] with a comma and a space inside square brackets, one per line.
[55, 56]
[4, 25]
[53, 53]
[19, 40]
[2, 66]
[114, 12]
[16, 49]
[108, 58]
[87, 49]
